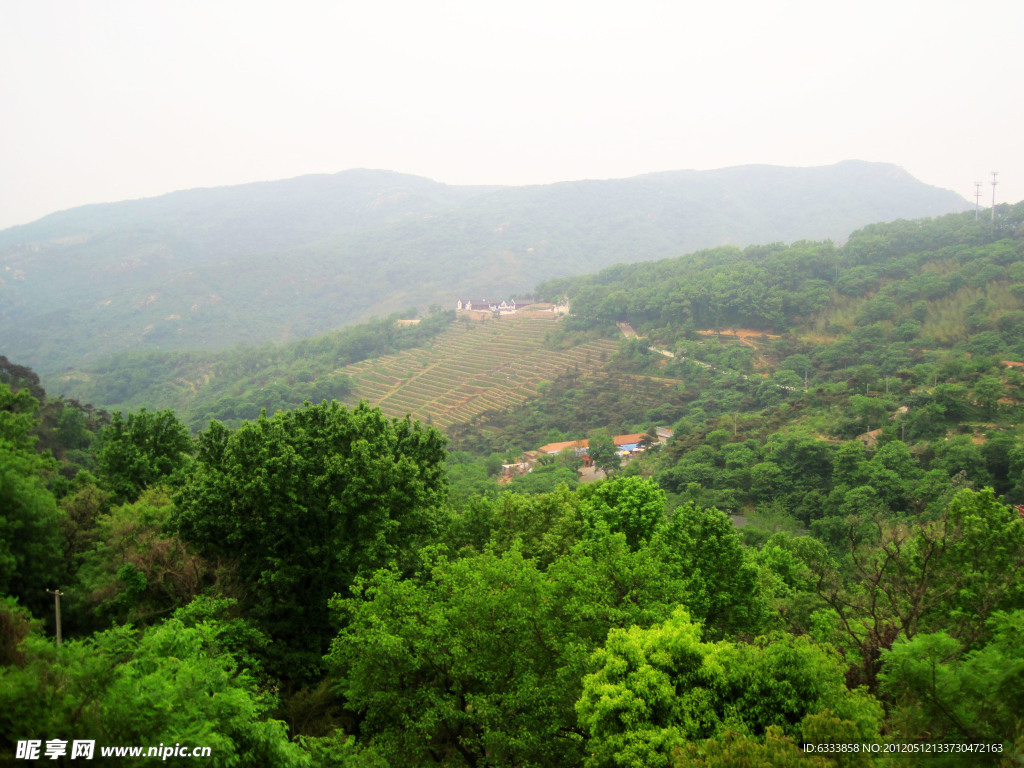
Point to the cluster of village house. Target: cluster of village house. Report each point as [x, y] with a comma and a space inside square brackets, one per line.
[504, 307]
[628, 445]
[508, 306]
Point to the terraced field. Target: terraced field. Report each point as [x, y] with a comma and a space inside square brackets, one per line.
[471, 369]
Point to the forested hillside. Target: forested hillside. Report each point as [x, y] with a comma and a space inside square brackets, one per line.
[236, 385]
[826, 551]
[209, 269]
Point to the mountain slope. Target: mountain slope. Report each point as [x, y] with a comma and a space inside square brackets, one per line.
[212, 268]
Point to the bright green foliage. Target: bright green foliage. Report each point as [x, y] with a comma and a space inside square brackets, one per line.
[655, 689]
[942, 692]
[174, 683]
[19, 414]
[304, 502]
[467, 477]
[481, 663]
[234, 634]
[459, 668]
[634, 506]
[142, 450]
[735, 749]
[341, 751]
[982, 559]
[29, 519]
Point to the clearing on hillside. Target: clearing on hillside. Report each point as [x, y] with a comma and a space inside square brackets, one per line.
[470, 369]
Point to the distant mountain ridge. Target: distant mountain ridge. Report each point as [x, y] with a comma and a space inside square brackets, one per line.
[210, 268]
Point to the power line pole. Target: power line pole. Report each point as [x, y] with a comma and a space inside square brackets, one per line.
[977, 199]
[994, 182]
[56, 607]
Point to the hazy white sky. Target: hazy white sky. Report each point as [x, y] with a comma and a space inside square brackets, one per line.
[104, 100]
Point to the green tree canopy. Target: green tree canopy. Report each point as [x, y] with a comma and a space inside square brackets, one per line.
[141, 450]
[944, 692]
[305, 501]
[30, 523]
[653, 690]
[480, 662]
[725, 590]
[634, 506]
[175, 683]
[602, 451]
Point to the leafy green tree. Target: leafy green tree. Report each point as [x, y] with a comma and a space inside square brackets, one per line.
[653, 690]
[765, 479]
[467, 477]
[82, 508]
[848, 464]
[542, 525]
[30, 522]
[960, 454]
[569, 459]
[303, 503]
[480, 662]
[1015, 459]
[735, 748]
[138, 572]
[800, 364]
[725, 589]
[944, 693]
[634, 506]
[493, 464]
[717, 438]
[174, 683]
[871, 411]
[987, 391]
[141, 450]
[71, 427]
[805, 461]
[948, 574]
[603, 451]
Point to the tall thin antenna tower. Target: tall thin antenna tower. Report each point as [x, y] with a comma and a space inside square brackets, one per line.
[977, 199]
[994, 182]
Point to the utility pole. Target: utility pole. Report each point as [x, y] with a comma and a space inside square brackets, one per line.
[977, 199]
[994, 182]
[56, 607]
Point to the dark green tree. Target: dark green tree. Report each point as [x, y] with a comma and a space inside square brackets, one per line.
[141, 450]
[304, 502]
[480, 662]
[30, 523]
[912, 577]
[703, 546]
[943, 692]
